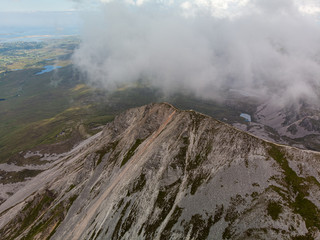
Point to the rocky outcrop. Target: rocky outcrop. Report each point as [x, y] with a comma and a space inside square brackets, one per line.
[156, 172]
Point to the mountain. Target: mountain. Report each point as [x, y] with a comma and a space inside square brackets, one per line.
[157, 172]
[296, 124]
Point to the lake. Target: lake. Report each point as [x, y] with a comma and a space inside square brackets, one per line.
[246, 116]
[48, 68]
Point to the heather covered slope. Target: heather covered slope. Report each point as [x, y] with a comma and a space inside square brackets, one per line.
[156, 172]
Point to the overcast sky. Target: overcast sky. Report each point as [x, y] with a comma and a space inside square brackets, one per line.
[307, 6]
[36, 5]
[38, 13]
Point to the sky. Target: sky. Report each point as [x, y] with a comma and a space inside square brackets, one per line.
[26, 14]
[307, 6]
[35, 5]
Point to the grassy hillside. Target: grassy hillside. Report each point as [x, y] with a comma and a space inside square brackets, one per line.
[60, 105]
[48, 108]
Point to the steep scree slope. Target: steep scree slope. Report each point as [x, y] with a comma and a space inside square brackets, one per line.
[156, 172]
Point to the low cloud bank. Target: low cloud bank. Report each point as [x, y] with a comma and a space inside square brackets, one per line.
[265, 47]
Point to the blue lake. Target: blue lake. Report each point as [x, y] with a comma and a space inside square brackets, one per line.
[246, 116]
[48, 68]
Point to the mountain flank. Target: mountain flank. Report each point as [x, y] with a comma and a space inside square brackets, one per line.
[157, 172]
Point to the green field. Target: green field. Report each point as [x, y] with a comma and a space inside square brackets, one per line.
[28, 55]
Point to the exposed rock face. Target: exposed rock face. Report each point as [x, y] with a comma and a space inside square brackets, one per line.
[156, 172]
[296, 126]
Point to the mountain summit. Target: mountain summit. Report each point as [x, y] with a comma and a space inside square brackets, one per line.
[157, 172]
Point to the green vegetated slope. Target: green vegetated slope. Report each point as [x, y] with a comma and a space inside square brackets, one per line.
[60, 105]
[52, 107]
[33, 109]
[48, 108]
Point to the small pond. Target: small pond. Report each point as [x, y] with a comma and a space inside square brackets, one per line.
[48, 68]
[246, 116]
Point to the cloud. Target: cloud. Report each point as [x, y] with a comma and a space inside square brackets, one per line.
[265, 46]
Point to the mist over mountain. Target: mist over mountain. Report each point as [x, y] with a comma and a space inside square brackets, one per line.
[266, 48]
[93, 161]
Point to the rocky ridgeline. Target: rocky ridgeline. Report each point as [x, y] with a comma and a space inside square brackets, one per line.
[156, 172]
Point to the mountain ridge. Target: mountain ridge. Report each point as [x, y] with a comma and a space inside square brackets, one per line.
[159, 172]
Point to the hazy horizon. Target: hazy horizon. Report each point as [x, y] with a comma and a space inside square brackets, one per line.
[22, 26]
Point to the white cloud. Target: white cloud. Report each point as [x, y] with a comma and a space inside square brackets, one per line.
[310, 9]
[270, 48]
[224, 8]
